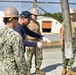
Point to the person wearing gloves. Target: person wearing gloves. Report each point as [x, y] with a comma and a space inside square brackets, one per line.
[23, 30]
[67, 63]
[35, 27]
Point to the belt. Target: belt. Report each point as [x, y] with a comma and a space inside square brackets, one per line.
[73, 38]
[32, 39]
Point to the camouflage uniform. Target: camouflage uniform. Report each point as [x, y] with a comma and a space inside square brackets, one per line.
[34, 50]
[67, 63]
[38, 57]
[12, 60]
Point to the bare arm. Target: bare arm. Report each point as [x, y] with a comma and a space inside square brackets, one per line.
[61, 36]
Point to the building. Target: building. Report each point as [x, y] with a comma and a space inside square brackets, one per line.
[50, 27]
[1, 19]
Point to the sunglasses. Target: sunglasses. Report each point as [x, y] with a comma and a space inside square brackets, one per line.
[72, 13]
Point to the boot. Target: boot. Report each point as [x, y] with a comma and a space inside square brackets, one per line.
[28, 73]
[70, 72]
[64, 71]
[39, 72]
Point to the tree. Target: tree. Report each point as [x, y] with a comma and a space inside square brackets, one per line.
[57, 16]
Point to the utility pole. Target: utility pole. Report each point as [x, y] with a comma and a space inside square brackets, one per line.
[67, 29]
[35, 4]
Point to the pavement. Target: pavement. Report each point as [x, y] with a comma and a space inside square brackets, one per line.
[52, 60]
[54, 36]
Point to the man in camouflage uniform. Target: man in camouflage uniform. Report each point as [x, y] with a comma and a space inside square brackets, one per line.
[67, 63]
[35, 27]
[12, 61]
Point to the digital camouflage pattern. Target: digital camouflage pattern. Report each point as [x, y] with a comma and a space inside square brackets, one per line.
[12, 61]
[38, 57]
[35, 27]
[69, 62]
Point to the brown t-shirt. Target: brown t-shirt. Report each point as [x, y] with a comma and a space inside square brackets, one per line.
[73, 29]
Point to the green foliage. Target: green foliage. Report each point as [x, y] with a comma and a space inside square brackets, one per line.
[57, 16]
[75, 18]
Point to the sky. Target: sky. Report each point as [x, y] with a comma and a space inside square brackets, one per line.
[51, 8]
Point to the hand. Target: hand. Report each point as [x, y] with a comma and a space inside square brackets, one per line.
[39, 45]
[27, 48]
[41, 40]
[61, 43]
[46, 39]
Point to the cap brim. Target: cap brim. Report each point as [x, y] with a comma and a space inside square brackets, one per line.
[35, 14]
[72, 13]
[12, 16]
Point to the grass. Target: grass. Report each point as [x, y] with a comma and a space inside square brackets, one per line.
[52, 43]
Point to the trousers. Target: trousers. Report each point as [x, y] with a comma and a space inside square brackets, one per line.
[37, 52]
[67, 63]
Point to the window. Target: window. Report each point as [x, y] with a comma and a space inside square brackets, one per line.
[46, 26]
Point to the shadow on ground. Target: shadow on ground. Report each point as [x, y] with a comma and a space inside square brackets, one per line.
[49, 68]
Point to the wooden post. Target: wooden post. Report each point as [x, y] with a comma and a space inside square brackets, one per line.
[35, 4]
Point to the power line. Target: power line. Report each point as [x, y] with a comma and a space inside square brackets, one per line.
[37, 2]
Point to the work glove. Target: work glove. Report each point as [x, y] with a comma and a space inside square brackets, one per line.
[39, 44]
[27, 48]
[46, 40]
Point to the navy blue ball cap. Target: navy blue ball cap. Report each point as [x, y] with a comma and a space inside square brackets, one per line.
[26, 14]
